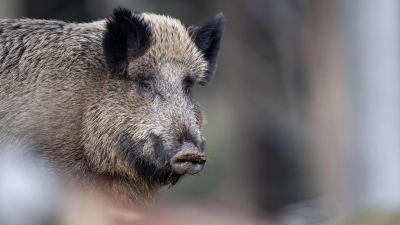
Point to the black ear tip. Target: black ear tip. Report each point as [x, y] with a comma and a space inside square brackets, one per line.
[120, 12]
[120, 9]
[219, 19]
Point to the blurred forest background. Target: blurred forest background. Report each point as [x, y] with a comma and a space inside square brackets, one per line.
[304, 111]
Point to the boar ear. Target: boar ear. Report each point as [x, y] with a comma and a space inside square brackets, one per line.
[126, 36]
[207, 37]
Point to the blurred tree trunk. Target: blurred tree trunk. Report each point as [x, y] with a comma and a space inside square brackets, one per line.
[372, 45]
[328, 102]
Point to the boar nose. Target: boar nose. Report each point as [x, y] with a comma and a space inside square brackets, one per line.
[189, 160]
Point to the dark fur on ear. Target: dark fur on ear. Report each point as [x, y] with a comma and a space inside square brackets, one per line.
[126, 35]
[208, 38]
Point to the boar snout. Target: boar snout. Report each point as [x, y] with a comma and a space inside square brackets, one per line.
[189, 160]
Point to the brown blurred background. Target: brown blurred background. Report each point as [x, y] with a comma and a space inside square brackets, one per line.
[304, 111]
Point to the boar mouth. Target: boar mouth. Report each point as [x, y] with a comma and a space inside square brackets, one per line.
[188, 162]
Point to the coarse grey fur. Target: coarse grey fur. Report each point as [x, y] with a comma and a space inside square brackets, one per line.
[107, 114]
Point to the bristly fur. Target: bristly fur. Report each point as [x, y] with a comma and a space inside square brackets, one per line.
[107, 102]
[208, 38]
[126, 36]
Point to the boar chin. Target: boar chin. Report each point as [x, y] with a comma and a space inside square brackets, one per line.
[155, 174]
[153, 167]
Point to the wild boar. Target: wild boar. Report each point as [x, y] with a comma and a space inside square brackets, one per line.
[109, 102]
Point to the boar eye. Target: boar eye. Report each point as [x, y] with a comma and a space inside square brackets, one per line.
[188, 84]
[146, 86]
[188, 89]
